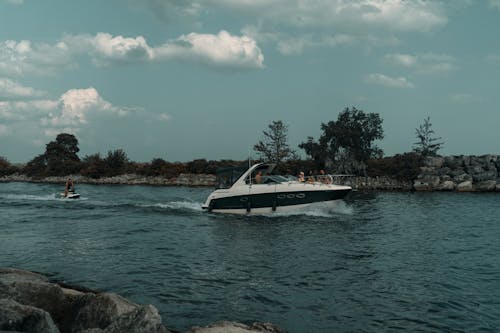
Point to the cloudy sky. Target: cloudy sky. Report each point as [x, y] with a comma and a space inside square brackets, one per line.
[186, 79]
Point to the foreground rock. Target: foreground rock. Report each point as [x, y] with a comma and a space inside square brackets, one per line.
[29, 302]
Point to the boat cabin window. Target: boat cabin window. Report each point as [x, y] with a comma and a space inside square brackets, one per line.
[226, 177]
[265, 178]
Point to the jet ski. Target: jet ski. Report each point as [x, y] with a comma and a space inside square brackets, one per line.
[71, 195]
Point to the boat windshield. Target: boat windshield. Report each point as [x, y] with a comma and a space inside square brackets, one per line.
[226, 177]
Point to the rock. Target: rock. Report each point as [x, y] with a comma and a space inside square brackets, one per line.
[484, 175]
[31, 289]
[426, 183]
[144, 319]
[486, 186]
[465, 186]
[30, 299]
[233, 327]
[447, 185]
[434, 162]
[462, 178]
[453, 162]
[16, 317]
[99, 311]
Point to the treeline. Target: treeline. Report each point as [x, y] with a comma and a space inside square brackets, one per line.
[345, 145]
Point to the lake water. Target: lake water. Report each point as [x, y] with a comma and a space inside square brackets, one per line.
[377, 262]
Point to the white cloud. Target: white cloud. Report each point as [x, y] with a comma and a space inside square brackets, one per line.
[402, 15]
[463, 98]
[221, 50]
[387, 81]
[402, 59]
[164, 117]
[75, 105]
[15, 2]
[495, 3]
[21, 57]
[121, 48]
[494, 58]
[427, 63]
[10, 89]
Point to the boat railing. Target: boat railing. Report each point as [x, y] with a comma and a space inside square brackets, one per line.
[325, 178]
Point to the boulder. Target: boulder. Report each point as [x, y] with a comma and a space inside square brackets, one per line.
[453, 162]
[485, 186]
[447, 185]
[233, 327]
[15, 317]
[426, 183]
[462, 178]
[485, 175]
[99, 310]
[144, 319]
[33, 304]
[434, 162]
[465, 186]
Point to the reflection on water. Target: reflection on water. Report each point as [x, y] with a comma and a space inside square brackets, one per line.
[377, 262]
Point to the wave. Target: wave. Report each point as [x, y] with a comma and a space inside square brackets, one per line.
[175, 205]
[31, 197]
[320, 209]
[34, 197]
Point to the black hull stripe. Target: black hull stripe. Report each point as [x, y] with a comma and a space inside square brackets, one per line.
[276, 199]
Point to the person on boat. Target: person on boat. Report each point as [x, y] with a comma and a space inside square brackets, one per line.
[310, 177]
[301, 177]
[258, 177]
[70, 187]
[324, 178]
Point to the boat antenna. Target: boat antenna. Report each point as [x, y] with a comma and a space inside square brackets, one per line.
[249, 166]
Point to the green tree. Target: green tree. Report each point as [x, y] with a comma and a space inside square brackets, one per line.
[61, 155]
[6, 168]
[93, 166]
[348, 142]
[315, 151]
[37, 167]
[116, 162]
[427, 145]
[274, 147]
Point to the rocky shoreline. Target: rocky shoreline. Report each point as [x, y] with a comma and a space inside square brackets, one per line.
[29, 302]
[450, 173]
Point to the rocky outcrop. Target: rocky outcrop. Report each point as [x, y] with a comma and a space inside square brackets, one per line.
[128, 179]
[232, 327]
[450, 173]
[459, 173]
[29, 302]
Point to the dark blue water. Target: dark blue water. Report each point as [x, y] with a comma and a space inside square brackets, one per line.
[379, 262]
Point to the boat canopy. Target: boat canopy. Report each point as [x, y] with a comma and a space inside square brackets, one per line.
[226, 177]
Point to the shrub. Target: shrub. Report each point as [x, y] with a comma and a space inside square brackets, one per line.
[402, 167]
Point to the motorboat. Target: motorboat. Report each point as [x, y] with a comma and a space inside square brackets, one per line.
[256, 190]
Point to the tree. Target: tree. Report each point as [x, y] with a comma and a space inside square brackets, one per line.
[6, 168]
[116, 162]
[348, 141]
[93, 166]
[61, 155]
[315, 151]
[36, 167]
[274, 147]
[427, 145]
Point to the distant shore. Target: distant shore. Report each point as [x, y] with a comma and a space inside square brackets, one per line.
[450, 173]
[194, 180]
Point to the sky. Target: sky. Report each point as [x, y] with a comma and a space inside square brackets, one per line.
[188, 79]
